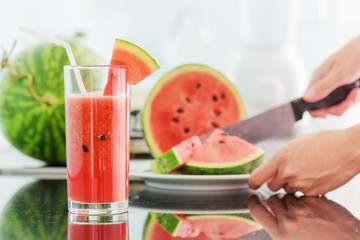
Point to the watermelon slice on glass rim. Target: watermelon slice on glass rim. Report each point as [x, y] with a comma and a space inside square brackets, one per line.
[139, 64]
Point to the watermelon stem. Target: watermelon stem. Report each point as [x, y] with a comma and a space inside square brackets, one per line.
[15, 76]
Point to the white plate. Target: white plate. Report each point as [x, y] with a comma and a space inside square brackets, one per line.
[142, 169]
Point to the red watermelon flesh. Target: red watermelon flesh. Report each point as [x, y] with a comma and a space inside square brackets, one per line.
[228, 148]
[223, 154]
[186, 229]
[190, 100]
[139, 64]
[177, 156]
[187, 147]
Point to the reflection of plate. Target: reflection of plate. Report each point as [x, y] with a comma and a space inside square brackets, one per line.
[142, 169]
[192, 202]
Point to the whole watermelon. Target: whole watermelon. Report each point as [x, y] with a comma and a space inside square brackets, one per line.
[37, 211]
[35, 127]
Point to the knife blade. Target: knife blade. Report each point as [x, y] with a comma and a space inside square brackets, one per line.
[281, 119]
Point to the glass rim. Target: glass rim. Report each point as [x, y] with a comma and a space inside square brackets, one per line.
[93, 66]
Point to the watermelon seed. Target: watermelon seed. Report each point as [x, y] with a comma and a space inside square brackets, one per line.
[180, 110]
[215, 125]
[186, 130]
[217, 112]
[102, 137]
[175, 119]
[187, 99]
[198, 85]
[223, 95]
[85, 148]
[221, 141]
[214, 98]
[114, 75]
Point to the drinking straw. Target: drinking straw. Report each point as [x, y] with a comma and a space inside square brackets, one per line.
[61, 44]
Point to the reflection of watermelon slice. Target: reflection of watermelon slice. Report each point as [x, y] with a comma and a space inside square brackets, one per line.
[189, 100]
[211, 227]
[176, 224]
[139, 64]
[224, 154]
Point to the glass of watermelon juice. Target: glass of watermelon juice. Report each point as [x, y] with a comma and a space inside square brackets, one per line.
[97, 139]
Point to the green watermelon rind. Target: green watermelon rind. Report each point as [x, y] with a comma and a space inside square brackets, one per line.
[145, 114]
[148, 226]
[169, 222]
[166, 162]
[243, 166]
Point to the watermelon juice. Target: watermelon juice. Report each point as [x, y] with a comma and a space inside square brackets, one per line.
[97, 151]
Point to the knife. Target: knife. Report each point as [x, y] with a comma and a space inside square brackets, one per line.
[281, 119]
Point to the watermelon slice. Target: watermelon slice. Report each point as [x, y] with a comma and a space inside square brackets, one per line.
[139, 64]
[211, 227]
[176, 224]
[224, 154]
[176, 157]
[187, 101]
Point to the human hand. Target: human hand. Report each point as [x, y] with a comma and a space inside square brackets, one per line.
[292, 217]
[341, 68]
[313, 164]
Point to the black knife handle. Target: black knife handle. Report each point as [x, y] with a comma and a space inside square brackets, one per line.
[335, 97]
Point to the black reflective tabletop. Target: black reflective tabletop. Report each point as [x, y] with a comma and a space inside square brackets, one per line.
[33, 208]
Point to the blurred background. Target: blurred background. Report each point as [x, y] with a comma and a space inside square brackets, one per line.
[267, 48]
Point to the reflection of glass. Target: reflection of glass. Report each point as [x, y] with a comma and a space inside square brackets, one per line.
[166, 226]
[38, 211]
[101, 227]
[97, 139]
